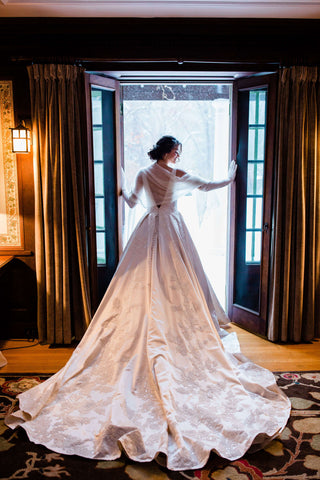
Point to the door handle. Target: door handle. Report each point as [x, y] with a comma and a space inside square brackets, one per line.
[265, 227]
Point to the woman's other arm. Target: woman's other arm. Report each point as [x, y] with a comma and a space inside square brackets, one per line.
[132, 198]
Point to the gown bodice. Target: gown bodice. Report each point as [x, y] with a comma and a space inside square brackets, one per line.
[157, 186]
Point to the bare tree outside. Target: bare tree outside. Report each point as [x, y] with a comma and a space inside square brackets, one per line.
[199, 116]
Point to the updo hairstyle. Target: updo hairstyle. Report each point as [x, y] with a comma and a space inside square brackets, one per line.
[163, 146]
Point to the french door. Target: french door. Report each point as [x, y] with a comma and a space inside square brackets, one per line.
[254, 106]
[104, 155]
[253, 128]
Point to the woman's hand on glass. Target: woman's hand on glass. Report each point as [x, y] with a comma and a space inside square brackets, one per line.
[232, 171]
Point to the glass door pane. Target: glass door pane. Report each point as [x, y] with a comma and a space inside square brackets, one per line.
[105, 168]
[255, 172]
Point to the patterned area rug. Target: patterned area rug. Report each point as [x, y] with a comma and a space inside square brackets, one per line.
[294, 455]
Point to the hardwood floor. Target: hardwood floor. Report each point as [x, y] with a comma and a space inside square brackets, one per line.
[278, 357]
[25, 357]
[42, 359]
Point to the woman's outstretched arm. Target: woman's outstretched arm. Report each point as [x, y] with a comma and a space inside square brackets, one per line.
[207, 186]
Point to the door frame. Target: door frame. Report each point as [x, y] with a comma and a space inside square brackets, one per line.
[237, 314]
[244, 317]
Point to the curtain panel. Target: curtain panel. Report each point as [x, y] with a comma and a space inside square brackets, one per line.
[295, 300]
[59, 146]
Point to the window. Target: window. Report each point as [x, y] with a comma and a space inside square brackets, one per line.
[255, 173]
[97, 129]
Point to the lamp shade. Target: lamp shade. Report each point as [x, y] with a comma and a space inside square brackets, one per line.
[21, 139]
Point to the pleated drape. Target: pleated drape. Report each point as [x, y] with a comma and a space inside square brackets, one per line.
[295, 301]
[58, 124]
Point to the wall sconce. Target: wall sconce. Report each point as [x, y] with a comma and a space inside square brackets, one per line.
[21, 139]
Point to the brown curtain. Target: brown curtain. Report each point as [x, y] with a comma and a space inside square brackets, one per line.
[59, 135]
[295, 302]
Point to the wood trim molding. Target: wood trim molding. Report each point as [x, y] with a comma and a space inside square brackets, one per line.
[4, 260]
[16, 253]
[161, 8]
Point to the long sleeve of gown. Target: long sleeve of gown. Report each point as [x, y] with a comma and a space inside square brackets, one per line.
[208, 186]
[132, 197]
[189, 182]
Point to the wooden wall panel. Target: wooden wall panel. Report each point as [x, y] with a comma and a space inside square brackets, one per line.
[18, 297]
[285, 41]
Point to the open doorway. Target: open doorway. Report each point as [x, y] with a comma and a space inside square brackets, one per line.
[198, 115]
[198, 111]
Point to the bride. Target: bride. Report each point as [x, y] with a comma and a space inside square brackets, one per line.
[156, 372]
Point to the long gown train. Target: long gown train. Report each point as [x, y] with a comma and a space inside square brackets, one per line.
[156, 372]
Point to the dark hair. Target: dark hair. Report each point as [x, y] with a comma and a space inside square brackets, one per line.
[163, 146]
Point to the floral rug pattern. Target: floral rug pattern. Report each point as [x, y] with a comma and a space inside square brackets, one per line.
[295, 455]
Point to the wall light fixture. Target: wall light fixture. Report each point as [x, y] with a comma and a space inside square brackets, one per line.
[21, 139]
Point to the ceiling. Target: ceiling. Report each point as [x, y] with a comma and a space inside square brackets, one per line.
[161, 8]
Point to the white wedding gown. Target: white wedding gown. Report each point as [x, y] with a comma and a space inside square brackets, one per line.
[155, 372]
